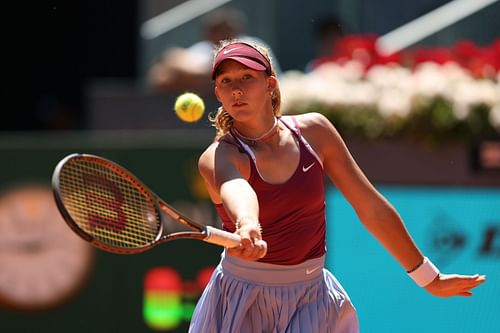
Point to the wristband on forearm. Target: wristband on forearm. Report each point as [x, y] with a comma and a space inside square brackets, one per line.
[425, 273]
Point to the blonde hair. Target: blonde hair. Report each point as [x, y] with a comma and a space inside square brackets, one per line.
[222, 120]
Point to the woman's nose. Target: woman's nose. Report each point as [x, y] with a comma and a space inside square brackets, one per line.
[236, 91]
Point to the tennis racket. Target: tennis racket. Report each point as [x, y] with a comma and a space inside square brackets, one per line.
[109, 207]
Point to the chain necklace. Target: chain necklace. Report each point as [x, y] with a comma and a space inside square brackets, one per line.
[253, 140]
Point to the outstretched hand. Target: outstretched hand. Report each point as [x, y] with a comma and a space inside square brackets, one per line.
[252, 247]
[447, 285]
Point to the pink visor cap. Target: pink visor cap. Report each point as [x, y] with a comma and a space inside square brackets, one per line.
[245, 55]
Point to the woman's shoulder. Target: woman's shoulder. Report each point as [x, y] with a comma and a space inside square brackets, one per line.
[224, 146]
[226, 152]
[310, 120]
[318, 130]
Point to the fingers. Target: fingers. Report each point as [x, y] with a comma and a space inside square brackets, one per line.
[249, 249]
[475, 281]
[252, 247]
[447, 285]
[469, 282]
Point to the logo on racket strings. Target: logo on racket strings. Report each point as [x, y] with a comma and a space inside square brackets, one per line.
[105, 196]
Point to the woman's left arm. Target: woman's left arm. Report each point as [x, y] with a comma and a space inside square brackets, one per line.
[374, 211]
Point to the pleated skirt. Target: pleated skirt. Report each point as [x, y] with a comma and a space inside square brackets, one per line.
[251, 297]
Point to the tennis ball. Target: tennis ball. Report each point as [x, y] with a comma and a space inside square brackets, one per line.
[189, 107]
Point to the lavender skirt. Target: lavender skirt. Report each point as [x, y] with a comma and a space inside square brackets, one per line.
[252, 297]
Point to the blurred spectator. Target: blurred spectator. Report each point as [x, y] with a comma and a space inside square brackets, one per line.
[328, 30]
[181, 69]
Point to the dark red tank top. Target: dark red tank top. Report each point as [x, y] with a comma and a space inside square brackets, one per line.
[292, 214]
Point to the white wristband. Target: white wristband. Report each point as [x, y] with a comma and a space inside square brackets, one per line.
[425, 273]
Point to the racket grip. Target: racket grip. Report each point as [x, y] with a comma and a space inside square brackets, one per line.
[221, 237]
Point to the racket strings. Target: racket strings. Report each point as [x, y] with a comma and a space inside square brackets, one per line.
[109, 205]
[111, 219]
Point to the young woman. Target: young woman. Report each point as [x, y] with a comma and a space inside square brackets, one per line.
[265, 175]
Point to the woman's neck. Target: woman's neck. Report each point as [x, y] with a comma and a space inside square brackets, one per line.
[260, 137]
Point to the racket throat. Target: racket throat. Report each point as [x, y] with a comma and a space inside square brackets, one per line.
[173, 213]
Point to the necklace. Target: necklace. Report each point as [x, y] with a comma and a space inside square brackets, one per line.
[259, 137]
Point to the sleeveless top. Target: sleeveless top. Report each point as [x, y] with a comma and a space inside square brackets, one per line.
[292, 214]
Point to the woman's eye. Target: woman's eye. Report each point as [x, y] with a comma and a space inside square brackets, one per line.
[247, 76]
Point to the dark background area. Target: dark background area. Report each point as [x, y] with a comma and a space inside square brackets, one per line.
[53, 48]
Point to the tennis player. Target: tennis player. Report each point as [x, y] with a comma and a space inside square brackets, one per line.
[265, 175]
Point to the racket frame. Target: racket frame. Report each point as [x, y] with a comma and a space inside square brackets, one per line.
[200, 232]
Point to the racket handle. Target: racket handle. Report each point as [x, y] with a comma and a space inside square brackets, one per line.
[221, 237]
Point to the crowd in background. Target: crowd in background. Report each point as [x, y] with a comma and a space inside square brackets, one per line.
[70, 54]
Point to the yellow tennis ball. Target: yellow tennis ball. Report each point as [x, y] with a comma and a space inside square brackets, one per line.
[189, 107]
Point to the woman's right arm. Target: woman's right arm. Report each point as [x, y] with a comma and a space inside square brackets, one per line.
[221, 167]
